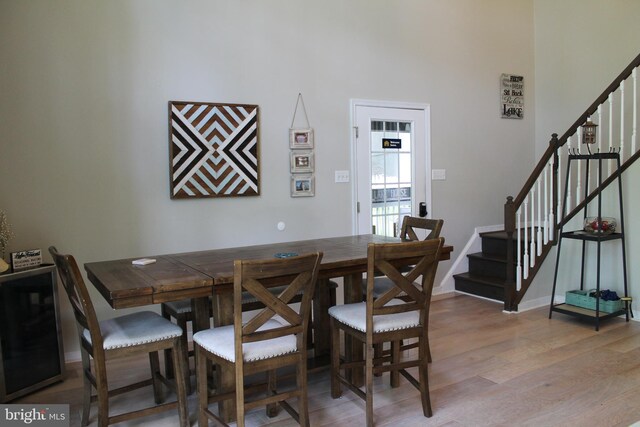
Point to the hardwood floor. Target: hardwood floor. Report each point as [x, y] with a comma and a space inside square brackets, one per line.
[489, 369]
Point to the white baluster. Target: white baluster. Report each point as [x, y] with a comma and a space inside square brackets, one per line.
[600, 128]
[525, 255]
[579, 175]
[551, 224]
[635, 111]
[622, 120]
[532, 251]
[559, 187]
[545, 224]
[518, 252]
[610, 129]
[539, 225]
[568, 195]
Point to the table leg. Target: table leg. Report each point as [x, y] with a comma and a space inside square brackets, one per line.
[321, 330]
[353, 347]
[200, 309]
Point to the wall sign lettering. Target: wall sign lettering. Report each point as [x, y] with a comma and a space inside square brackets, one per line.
[512, 96]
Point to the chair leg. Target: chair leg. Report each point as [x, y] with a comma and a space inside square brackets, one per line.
[185, 355]
[154, 363]
[86, 398]
[168, 361]
[239, 394]
[369, 383]
[179, 368]
[378, 352]
[394, 377]
[335, 360]
[303, 403]
[103, 396]
[423, 372]
[272, 408]
[201, 385]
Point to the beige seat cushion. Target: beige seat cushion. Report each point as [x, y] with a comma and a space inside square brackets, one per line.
[355, 316]
[135, 329]
[221, 342]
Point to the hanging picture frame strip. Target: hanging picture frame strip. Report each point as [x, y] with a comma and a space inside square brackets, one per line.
[301, 142]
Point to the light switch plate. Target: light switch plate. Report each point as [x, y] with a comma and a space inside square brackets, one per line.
[342, 176]
[438, 174]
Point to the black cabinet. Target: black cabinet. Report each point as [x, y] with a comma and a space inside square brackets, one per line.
[595, 314]
[30, 335]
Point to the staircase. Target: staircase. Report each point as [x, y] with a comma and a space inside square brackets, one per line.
[487, 273]
[510, 259]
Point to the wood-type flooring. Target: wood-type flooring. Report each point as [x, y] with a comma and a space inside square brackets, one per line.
[489, 369]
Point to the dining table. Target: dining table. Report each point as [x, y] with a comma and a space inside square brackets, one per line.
[206, 277]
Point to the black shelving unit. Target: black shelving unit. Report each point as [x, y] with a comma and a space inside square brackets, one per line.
[596, 315]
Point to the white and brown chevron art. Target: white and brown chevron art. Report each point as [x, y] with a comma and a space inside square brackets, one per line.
[213, 150]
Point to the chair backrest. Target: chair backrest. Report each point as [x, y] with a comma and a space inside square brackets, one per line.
[411, 223]
[298, 273]
[78, 296]
[390, 259]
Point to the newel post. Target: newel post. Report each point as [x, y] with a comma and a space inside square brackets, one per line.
[510, 228]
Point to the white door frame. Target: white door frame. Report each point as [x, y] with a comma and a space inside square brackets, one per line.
[426, 108]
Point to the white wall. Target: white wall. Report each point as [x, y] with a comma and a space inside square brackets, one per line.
[580, 47]
[83, 118]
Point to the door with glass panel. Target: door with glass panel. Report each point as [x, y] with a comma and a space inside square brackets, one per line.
[393, 166]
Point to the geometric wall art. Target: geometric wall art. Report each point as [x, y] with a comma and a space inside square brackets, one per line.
[213, 150]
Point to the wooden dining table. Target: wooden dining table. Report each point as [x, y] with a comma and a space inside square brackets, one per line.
[209, 273]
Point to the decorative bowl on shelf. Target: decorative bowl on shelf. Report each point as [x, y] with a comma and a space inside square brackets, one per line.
[600, 225]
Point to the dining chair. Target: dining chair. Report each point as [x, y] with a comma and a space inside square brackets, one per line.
[389, 319]
[101, 341]
[264, 343]
[182, 313]
[409, 232]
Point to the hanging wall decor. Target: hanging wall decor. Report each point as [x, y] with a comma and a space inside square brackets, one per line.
[213, 150]
[301, 161]
[512, 96]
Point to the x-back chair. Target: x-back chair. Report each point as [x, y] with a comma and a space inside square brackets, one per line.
[389, 319]
[142, 332]
[264, 343]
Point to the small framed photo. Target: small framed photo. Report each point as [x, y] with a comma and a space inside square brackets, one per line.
[302, 186]
[300, 138]
[301, 161]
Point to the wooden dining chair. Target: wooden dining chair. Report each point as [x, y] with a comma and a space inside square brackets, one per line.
[140, 332]
[264, 343]
[409, 232]
[181, 312]
[389, 319]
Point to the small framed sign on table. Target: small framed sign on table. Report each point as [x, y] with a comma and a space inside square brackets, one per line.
[24, 260]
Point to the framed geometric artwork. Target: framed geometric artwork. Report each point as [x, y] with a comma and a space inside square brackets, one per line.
[213, 150]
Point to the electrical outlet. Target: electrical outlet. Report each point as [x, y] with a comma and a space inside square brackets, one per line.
[342, 176]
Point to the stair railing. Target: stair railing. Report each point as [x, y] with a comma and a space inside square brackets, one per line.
[532, 219]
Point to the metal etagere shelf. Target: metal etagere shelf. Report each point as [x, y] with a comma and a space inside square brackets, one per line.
[596, 315]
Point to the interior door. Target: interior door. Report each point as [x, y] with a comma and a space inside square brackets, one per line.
[392, 165]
